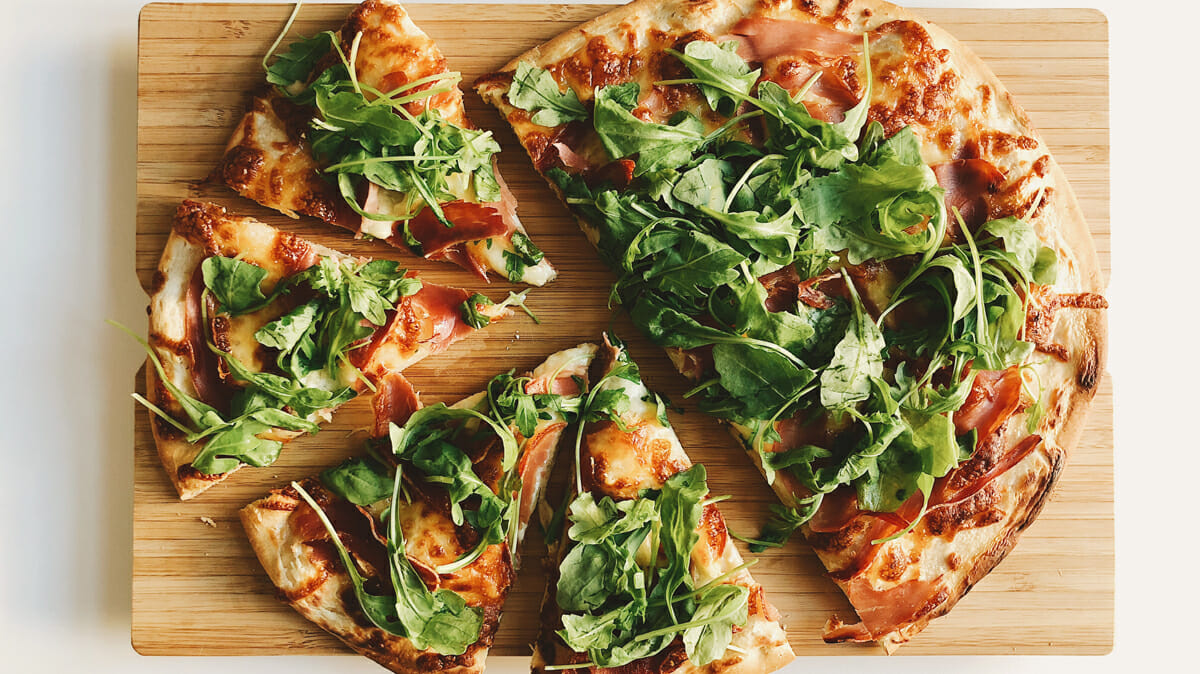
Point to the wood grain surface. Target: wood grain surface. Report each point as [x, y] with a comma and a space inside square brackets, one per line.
[197, 588]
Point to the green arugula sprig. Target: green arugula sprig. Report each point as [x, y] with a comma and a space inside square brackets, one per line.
[707, 215]
[364, 135]
[474, 316]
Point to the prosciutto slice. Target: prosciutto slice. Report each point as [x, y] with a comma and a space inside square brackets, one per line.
[761, 38]
[968, 182]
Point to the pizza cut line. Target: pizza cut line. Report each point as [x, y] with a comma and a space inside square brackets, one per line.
[843, 229]
[256, 336]
[365, 128]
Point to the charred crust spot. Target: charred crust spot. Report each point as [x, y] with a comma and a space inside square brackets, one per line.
[1039, 328]
[195, 222]
[318, 203]
[598, 65]
[240, 167]
[157, 282]
[756, 603]
[701, 35]
[1042, 165]
[841, 14]
[1089, 368]
[609, 67]
[893, 566]
[279, 504]
[1043, 491]
[538, 146]
[221, 331]
[1056, 351]
[437, 662]
[294, 253]
[808, 6]
[659, 457]
[164, 430]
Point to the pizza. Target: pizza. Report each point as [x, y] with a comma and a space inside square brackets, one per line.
[256, 335]
[844, 230]
[365, 128]
[647, 577]
[407, 553]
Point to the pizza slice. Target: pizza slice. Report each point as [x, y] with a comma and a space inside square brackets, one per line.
[256, 336]
[407, 554]
[365, 128]
[843, 229]
[647, 576]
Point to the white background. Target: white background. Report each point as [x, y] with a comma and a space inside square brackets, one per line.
[67, 121]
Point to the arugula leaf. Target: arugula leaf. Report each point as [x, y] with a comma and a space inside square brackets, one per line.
[361, 481]
[856, 360]
[593, 521]
[534, 89]
[871, 211]
[718, 611]
[239, 443]
[763, 380]
[680, 509]
[658, 146]
[618, 609]
[524, 254]
[471, 313]
[1036, 262]
[294, 66]
[720, 65]
[285, 332]
[775, 238]
[703, 185]
[965, 292]
[688, 261]
[237, 285]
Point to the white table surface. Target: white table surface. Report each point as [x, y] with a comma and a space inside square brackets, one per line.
[68, 122]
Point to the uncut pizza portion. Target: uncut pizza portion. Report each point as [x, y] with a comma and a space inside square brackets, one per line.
[256, 336]
[407, 554]
[842, 228]
[646, 576]
[364, 128]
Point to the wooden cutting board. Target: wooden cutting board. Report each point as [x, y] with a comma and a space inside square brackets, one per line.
[197, 588]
